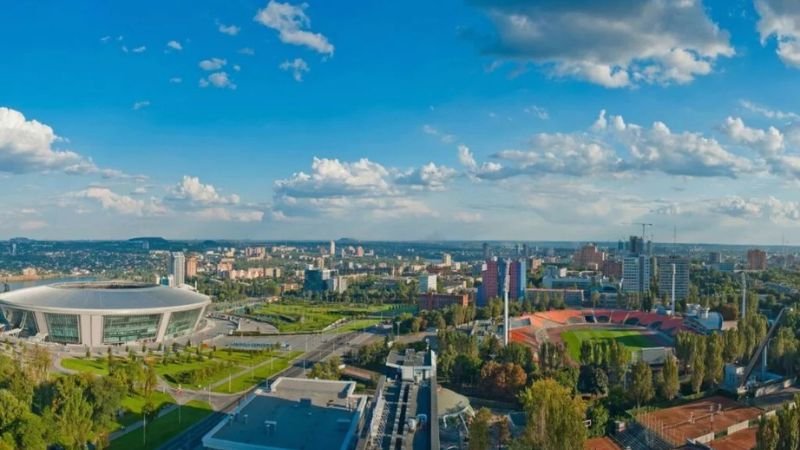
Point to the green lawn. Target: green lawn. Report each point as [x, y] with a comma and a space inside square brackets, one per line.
[97, 366]
[133, 405]
[356, 325]
[632, 339]
[297, 316]
[161, 430]
[258, 375]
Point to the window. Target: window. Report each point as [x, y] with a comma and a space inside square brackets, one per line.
[181, 322]
[63, 328]
[24, 320]
[120, 329]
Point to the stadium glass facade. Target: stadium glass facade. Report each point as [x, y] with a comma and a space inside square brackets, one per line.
[21, 319]
[181, 322]
[120, 329]
[63, 328]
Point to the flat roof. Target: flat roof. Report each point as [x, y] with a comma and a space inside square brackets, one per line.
[695, 419]
[741, 440]
[102, 296]
[409, 358]
[308, 414]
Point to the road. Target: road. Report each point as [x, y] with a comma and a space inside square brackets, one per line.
[191, 439]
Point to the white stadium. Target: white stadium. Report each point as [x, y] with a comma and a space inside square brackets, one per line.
[101, 313]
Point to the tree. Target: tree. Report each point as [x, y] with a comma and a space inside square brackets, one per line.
[555, 417]
[593, 380]
[788, 428]
[598, 414]
[767, 436]
[641, 390]
[714, 362]
[733, 347]
[670, 384]
[618, 359]
[479, 438]
[697, 363]
[503, 427]
[73, 415]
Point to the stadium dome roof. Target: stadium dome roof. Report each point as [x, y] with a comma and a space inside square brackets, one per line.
[105, 295]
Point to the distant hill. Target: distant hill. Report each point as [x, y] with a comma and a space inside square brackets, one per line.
[153, 242]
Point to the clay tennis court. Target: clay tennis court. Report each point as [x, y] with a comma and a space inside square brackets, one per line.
[741, 440]
[696, 419]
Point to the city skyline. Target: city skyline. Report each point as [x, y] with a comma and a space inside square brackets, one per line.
[470, 121]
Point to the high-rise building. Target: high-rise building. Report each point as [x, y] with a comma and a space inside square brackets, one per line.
[756, 259]
[715, 258]
[636, 245]
[316, 279]
[487, 252]
[636, 274]
[612, 269]
[526, 252]
[447, 259]
[177, 268]
[681, 277]
[191, 266]
[427, 283]
[489, 288]
[589, 257]
[493, 275]
[332, 250]
[359, 251]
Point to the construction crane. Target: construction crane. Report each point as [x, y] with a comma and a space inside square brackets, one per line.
[643, 225]
[761, 350]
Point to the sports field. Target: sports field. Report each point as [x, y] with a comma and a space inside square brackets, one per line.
[631, 338]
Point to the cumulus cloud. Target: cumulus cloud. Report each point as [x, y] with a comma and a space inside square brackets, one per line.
[771, 208]
[119, 203]
[781, 19]
[191, 191]
[174, 45]
[218, 80]
[568, 154]
[771, 144]
[292, 23]
[298, 67]
[29, 146]
[212, 64]
[612, 43]
[430, 176]
[332, 178]
[230, 30]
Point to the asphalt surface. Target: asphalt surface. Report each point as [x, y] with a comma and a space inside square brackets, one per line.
[191, 439]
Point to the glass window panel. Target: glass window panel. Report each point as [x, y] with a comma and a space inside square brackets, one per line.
[120, 329]
[63, 328]
[22, 319]
[181, 322]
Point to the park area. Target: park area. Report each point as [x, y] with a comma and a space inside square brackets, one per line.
[632, 338]
[299, 316]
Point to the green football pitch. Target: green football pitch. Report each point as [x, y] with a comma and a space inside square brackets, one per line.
[630, 338]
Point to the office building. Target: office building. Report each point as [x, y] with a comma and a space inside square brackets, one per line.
[191, 266]
[517, 278]
[588, 257]
[715, 258]
[636, 271]
[756, 259]
[177, 268]
[612, 269]
[447, 259]
[665, 265]
[487, 252]
[427, 283]
[489, 288]
[315, 279]
[636, 246]
[332, 249]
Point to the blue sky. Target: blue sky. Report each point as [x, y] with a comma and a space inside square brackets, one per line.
[477, 119]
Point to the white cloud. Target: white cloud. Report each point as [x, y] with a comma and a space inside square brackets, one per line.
[141, 104]
[769, 113]
[770, 208]
[121, 204]
[446, 138]
[230, 30]
[568, 154]
[770, 144]
[227, 215]
[174, 45]
[246, 51]
[218, 80]
[191, 191]
[176, 80]
[292, 23]
[537, 111]
[781, 18]
[430, 177]
[27, 146]
[297, 66]
[614, 43]
[212, 64]
[332, 178]
[105, 39]
[140, 49]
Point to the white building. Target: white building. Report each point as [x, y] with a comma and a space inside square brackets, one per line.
[177, 268]
[636, 271]
[681, 277]
[447, 259]
[427, 283]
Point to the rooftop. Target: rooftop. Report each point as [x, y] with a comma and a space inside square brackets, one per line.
[409, 358]
[105, 295]
[296, 414]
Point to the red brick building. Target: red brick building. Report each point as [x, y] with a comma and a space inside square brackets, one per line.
[432, 300]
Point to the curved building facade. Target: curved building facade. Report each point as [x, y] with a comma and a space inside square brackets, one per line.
[102, 313]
